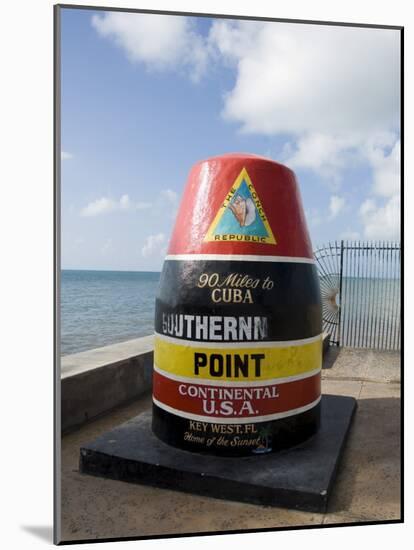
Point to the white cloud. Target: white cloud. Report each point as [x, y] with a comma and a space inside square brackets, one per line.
[296, 79]
[125, 202]
[325, 154]
[313, 217]
[386, 167]
[161, 42]
[336, 204]
[381, 222]
[170, 195]
[155, 245]
[104, 205]
[380, 213]
[234, 40]
[332, 93]
[64, 155]
[99, 206]
[327, 89]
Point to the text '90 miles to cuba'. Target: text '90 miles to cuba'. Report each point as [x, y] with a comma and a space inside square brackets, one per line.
[234, 288]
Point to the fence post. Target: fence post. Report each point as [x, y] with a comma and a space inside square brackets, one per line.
[340, 292]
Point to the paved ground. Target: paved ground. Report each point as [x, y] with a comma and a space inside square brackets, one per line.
[367, 486]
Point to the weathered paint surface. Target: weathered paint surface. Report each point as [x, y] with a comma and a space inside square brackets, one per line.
[206, 195]
[238, 343]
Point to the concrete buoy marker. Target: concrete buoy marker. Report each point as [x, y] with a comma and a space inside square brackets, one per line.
[238, 344]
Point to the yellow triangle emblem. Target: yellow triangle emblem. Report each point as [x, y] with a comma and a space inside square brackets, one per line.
[241, 217]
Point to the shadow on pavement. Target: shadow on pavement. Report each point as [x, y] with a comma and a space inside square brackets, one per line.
[43, 532]
[330, 357]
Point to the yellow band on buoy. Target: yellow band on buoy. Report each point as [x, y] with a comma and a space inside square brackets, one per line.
[241, 362]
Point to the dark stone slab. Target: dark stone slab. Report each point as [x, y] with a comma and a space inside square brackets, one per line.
[301, 477]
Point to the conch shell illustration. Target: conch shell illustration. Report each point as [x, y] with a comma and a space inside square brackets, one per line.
[243, 210]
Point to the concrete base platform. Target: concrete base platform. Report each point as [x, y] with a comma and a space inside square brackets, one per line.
[301, 477]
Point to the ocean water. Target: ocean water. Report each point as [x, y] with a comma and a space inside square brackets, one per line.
[371, 312]
[99, 308]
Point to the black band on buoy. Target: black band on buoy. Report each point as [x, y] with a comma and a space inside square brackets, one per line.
[238, 344]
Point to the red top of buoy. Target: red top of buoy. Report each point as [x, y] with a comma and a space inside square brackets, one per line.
[241, 204]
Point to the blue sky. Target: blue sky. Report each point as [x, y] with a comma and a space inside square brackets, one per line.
[146, 96]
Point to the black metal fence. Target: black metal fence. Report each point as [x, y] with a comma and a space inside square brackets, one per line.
[361, 293]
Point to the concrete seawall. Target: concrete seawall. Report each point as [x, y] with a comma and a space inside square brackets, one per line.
[95, 382]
